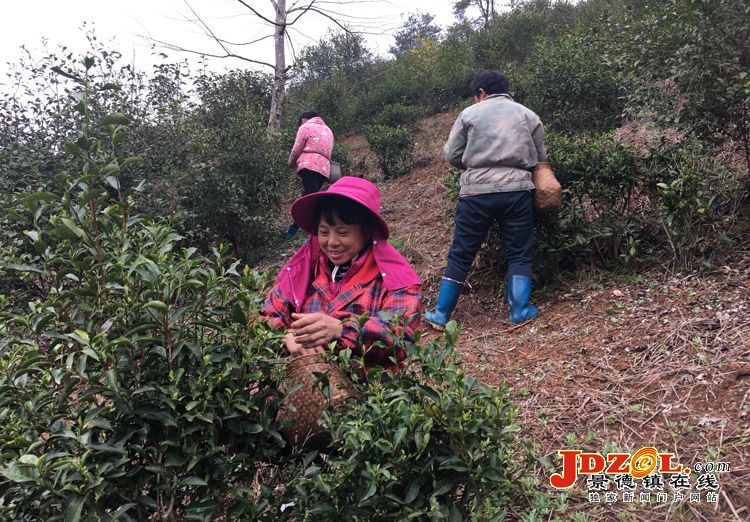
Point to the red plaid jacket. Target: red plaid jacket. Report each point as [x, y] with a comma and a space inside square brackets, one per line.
[366, 295]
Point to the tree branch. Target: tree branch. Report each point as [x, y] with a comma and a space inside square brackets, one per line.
[256, 13]
[207, 30]
[303, 9]
[332, 19]
[241, 44]
[291, 46]
[228, 54]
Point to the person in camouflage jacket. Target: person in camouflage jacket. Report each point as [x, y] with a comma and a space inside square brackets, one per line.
[497, 142]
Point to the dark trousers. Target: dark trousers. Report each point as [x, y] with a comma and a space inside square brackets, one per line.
[311, 181]
[474, 216]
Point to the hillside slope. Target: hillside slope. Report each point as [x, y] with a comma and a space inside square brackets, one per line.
[651, 359]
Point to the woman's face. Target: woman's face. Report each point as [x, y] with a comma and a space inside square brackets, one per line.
[340, 242]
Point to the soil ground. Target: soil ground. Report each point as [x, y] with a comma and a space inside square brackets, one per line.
[615, 362]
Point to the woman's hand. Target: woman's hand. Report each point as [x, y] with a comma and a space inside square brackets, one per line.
[316, 329]
[295, 349]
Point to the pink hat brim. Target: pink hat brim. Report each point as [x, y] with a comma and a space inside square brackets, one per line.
[303, 212]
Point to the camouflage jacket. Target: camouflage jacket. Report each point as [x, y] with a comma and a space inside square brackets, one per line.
[497, 142]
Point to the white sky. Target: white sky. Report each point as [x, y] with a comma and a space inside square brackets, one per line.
[29, 22]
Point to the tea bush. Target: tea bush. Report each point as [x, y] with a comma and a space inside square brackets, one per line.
[511, 38]
[432, 76]
[342, 155]
[597, 221]
[700, 50]
[573, 86]
[140, 385]
[433, 443]
[398, 115]
[695, 200]
[197, 136]
[393, 147]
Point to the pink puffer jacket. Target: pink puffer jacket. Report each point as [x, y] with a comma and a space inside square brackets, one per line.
[313, 147]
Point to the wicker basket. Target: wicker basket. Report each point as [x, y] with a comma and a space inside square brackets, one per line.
[305, 406]
[548, 193]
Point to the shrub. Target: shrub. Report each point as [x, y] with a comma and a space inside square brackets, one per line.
[699, 48]
[511, 38]
[431, 444]
[622, 205]
[393, 148]
[695, 200]
[573, 86]
[433, 75]
[140, 385]
[331, 97]
[398, 115]
[137, 384]
[230, 188]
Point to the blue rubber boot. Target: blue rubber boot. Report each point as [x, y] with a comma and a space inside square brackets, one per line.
[519, 292]
[450, 290]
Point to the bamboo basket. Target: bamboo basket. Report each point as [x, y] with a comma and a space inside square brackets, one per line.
[548, 191]
[304, 407]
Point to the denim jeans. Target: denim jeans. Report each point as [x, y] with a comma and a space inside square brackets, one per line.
[514, 212]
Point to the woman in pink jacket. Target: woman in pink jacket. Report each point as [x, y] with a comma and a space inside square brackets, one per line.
[311, 155]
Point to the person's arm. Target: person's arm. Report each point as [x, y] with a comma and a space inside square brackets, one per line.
[456, 144]
[381, 338]
[278, 312]
[277, 309]
[298, 147]
[537, 135]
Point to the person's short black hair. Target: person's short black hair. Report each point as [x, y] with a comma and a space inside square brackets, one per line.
[306, 115]
[338, 209]
[493, 82]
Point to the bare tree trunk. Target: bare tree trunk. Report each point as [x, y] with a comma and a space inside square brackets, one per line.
[278, 92]
[487, 8]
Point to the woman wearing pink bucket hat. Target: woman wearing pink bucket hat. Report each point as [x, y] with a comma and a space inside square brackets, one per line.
[344, 271]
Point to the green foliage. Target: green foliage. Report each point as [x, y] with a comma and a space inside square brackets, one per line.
[327, 76]
[342, 155]
[331, 97]
[199, 144]
[621, 205]
[452, 184]
[511, 38]
[701, 48]
[573, 86]
[230, 189]
[338, 53]
[695, 199]
[417, 29]
[431, 75]
[398, 115]
[138, 383]
[433, 443]
[393, 147]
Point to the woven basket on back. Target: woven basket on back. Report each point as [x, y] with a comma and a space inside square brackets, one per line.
[304, 407]
[548, 193]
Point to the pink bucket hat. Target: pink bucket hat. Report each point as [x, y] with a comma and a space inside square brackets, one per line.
[358, 190]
